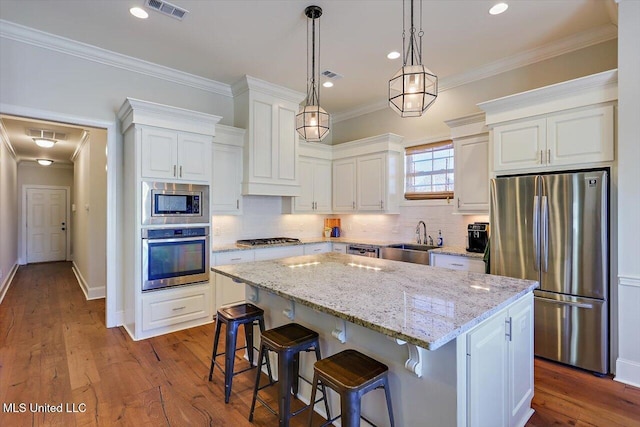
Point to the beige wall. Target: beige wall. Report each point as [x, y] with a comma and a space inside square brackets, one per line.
[90, 219]
[8, 215]
[461, 101]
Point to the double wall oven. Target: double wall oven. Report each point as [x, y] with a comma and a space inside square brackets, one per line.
[177, 254]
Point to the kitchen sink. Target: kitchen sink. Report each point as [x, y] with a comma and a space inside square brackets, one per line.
[407, 252]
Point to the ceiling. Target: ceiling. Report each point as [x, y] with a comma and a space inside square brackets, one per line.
[224, 39]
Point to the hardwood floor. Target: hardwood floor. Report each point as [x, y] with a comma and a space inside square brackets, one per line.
[55, 349]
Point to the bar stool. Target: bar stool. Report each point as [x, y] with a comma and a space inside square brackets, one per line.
[287, 341]
[351, 374]
[234, 316]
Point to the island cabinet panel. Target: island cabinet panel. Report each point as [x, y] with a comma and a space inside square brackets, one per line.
[227, 291]
[500, 368]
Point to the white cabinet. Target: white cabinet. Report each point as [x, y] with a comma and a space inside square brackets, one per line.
[315, 185]
[226, 177]
[344, 185]
[367, 175]
[371, 182]
[171, 155]
[227, 291]
[317, 248]
[471, 174]
[575, 137]
[457, 262]
[340, 248]
[162, 309]
[500, 368]
[566, 124]
[278, 252]
[268, 114]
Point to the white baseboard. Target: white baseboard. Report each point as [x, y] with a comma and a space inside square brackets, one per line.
[627, 372]
[119, 318]
[89, 293]
[4, 286]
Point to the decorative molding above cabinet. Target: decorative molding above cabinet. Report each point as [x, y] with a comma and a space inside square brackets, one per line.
[268, 113]
[566, 124]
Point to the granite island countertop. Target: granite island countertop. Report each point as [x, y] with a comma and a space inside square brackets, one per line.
[422, 305]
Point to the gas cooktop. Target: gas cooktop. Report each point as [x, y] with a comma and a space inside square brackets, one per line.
[267, 241]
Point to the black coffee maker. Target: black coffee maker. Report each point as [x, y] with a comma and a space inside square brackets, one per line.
[478, 236]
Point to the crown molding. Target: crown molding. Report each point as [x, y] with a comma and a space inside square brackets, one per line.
[20, 33]
[5, 140]
[80, 147]
[522, 59]
[251, 83]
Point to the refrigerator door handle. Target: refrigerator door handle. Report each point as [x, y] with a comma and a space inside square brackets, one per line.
[545, 233]
[536, 231]
[571, 303]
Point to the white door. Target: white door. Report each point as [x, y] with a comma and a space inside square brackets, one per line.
[46, 225]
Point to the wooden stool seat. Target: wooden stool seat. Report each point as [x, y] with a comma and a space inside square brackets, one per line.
[287, 341]
[234, 316]
[351, 374]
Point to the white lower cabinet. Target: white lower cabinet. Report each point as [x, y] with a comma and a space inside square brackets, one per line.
[340, 248]
[317, 248]
[500, 368]
[454, 262]
[227, 291]
[170, 307]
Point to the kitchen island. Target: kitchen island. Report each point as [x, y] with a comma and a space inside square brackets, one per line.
[459, 345]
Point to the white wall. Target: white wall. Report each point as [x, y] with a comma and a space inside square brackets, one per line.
[31, 173]
[8, 215]
[89, 219]
[263, 218]
[628, 362]
[461, 101]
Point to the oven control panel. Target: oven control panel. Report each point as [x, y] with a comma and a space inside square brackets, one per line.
[171, 233]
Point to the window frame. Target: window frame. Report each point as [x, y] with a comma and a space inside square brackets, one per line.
[423, 148]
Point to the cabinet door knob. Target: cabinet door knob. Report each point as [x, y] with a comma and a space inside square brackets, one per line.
[180, 171]
[541, 157]
[237, 203]
[549, 156]
[174, 170]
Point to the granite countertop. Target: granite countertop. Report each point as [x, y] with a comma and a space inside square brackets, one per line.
[308, 241]
[419, 304]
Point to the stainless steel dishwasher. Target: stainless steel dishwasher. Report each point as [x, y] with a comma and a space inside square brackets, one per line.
[370, 251]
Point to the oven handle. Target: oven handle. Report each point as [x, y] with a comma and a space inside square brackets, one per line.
[177, 239]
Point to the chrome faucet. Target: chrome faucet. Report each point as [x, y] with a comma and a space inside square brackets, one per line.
[422, 241]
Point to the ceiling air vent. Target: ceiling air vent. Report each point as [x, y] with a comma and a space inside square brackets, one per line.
[48, 134]
[331, 74]
[167, 8]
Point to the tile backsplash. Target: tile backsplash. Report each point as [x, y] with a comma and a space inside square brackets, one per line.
[262, 217]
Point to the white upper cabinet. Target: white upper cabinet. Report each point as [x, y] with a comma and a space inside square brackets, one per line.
[566, 124]
[344, 185]
[314, 165]
[226, 177]
[171, 155]
[367, 175]
[471, 164]
[268, 113]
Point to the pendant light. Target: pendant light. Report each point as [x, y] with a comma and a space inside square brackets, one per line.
[312, 122]
[414, 88]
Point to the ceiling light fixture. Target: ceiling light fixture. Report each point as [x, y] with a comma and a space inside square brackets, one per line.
[312, 122]
[414, 88]
[139, 12]
[44, 142]
[327, 84]
[498, 8]
[393, 55]
[44, 162]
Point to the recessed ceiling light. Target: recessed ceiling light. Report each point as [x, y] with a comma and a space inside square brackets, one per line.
[44, 162]
[44, 142]
[498, 8]
[139, 12]
[393, 55]
[327, 84]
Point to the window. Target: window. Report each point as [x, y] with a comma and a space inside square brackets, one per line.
[429, 171]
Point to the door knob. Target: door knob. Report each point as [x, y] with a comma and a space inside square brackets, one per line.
[63, 229]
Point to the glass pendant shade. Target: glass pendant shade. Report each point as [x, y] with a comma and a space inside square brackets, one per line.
[312, 123]
[412, 90]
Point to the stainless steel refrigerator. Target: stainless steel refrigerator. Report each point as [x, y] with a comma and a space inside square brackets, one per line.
[553, 228]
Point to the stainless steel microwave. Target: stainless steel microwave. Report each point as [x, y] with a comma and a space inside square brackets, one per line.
[172, 203]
